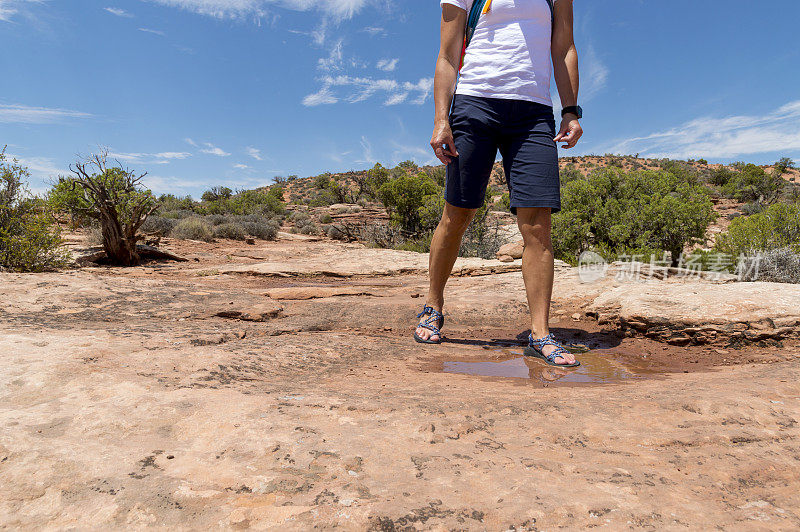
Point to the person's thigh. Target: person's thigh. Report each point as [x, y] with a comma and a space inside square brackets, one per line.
[530, 161]
[474, 122]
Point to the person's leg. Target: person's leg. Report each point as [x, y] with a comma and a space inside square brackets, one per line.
[444, 252]
[530, 158]
[474, 122]
[537, 271]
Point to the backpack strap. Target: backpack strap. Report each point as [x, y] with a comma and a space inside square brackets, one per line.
[479, 7]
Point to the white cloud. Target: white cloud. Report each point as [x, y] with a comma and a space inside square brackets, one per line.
[322, 97]
[256, 9]
[154, 32]
[255, 153]
[190, 142]
[729, 137]
[359, 89]
[9, 8]
[388, 65]
[241, 166]
[374, 31]
[23, 114]
[210, 149]
[334, 59]
[118, 12]
[150, 158]
[595, 75]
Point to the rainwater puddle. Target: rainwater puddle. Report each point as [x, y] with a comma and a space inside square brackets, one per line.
[597, 367]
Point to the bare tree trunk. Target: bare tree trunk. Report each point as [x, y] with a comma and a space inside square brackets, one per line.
[119, 249]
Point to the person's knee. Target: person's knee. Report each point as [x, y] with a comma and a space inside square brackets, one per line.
[455, 220]
[535, 228]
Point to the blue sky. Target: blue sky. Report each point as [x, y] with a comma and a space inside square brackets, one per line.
[235, 92]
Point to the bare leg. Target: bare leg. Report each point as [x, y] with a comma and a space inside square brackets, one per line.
[444, 252]
[537, 271]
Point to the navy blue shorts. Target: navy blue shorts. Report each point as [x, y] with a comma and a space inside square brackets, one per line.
[523, 132]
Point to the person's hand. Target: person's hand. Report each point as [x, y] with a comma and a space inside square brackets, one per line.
[442, 142]
[571, 131]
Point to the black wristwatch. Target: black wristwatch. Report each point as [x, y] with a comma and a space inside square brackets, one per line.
[576, 110]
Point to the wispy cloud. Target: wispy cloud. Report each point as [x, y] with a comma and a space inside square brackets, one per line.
[359, 89]
[240, 166]
[9, 8]
[118, 12]
[255, 153]
[154, 32]
[388, 65]
[210, 149]
[150, 158]
[374, 31]
[334, 59]
[23, 114]
[729, 137]
[257, 9]
[190, 142]
[595, 75]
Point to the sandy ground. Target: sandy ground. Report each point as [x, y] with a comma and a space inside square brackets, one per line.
[182, 397]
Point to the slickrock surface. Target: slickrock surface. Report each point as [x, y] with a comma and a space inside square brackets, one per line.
[179, 396]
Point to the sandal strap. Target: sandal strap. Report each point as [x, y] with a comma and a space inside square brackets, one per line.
[434, 316]
[540, 343]
[434, 329]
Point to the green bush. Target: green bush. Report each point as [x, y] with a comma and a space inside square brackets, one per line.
[231, 231]
[217, 194]
[171, 202]
[403, 197]
[617, 213]
[753, 183]
[325, 218]
[194, 228]
[776, 227]
[263, 228]
[261, 201]
[29, 236]
[159, 225]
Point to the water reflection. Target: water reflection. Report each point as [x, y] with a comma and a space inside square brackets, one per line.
[597, 367]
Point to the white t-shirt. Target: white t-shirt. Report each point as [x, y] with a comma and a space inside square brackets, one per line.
[509, 55]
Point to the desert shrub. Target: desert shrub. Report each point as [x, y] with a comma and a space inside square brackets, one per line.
[159, 225]
[194, 228]
[437, 174]
[231, 231]
[64, 197]
[616, 213]
[171, 202]
[569, 173]
[753, 207]
[216, 219]
[721, 176]
[784, 164]
[29, 236]
[505, 202]
[322, 181]
[403, 197]
[776, 227]
[753, 183]
[178, 214]
[260, 201]
[216, 194]
[336, 233]
[325, 218]
[781, 265]
[377, 176]
[265, 229]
